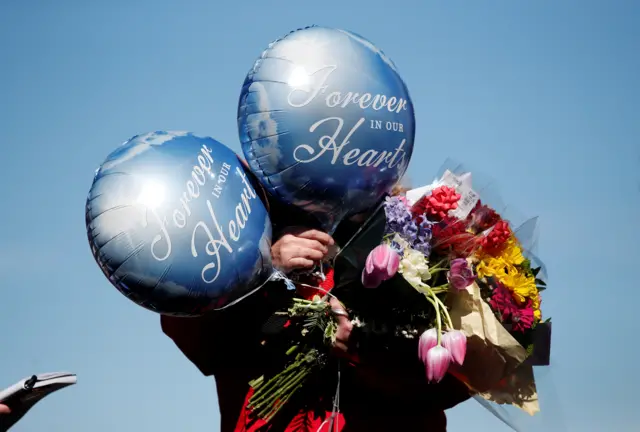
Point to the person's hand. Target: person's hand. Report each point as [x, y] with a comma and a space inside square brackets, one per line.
[300, 248]
[341, 347]
[4, 410]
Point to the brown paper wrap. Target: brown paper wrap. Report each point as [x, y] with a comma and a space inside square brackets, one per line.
[494, 365]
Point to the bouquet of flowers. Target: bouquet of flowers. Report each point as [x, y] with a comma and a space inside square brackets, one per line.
[456, 279]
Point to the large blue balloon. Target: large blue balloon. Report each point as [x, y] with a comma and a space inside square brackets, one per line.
[175, 224]
[326, 122]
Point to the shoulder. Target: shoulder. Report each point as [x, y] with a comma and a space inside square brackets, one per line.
[191, 335]
[220, 339]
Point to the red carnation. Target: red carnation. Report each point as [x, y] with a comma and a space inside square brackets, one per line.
[451, 234]
[436, 206]
[482, 217]
[523, 318]
[497, 237]
[502, 302]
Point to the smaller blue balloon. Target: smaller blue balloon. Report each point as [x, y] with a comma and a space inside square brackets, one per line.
[326, 122]
[175, 224]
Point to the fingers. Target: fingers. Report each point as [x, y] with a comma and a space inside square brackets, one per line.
[302, 251]
[4, 409]
[319, 236]
[312, 244]
[336, 305]
[300, 248]
[345, 327]
[300, 263]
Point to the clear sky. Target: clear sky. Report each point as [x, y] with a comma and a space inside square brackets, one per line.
[541, 95]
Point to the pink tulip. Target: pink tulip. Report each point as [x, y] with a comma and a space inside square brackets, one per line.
[370, 280]
[428, 340]
[438, 359]
[456, 342]
[381, 265]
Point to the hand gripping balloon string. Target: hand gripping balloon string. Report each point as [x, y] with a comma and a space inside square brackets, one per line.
[320, 271]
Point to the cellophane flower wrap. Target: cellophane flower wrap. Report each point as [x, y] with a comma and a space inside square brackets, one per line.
[456, 279]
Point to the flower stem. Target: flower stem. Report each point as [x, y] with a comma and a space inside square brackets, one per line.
[446, 313]
[257, 383]
[439, 324]
[286, 392]
[435, 270]
[282, 378]
[282, 403]
[439, 263]
[436, 306]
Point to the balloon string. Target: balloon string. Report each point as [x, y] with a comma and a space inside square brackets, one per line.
[362, 227]
[327, 293]
[276, 275]
[333, 423]
[321, 271]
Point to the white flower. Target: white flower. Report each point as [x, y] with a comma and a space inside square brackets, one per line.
[414, 268]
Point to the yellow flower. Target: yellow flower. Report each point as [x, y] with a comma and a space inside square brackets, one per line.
[512, 253]
[537, 314]
[522, 286]
[495, 267]
[504, 268]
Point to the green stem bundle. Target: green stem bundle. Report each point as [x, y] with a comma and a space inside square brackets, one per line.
[268, 398]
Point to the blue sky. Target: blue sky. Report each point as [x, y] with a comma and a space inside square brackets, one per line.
[541, 95]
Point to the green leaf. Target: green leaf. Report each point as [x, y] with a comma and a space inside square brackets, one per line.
[529, 349]
[526, 266]
[548, 320]
[535, 271]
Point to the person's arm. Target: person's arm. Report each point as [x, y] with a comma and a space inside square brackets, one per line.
[4, 409]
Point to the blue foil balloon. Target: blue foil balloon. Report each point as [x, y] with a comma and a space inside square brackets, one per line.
[326, 122]
[174, 223]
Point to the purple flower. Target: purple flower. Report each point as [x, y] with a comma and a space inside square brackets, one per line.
[397, 247]
[460, 275]
[398, 215]
[399, 221]
[409, 232]
[422, 241]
